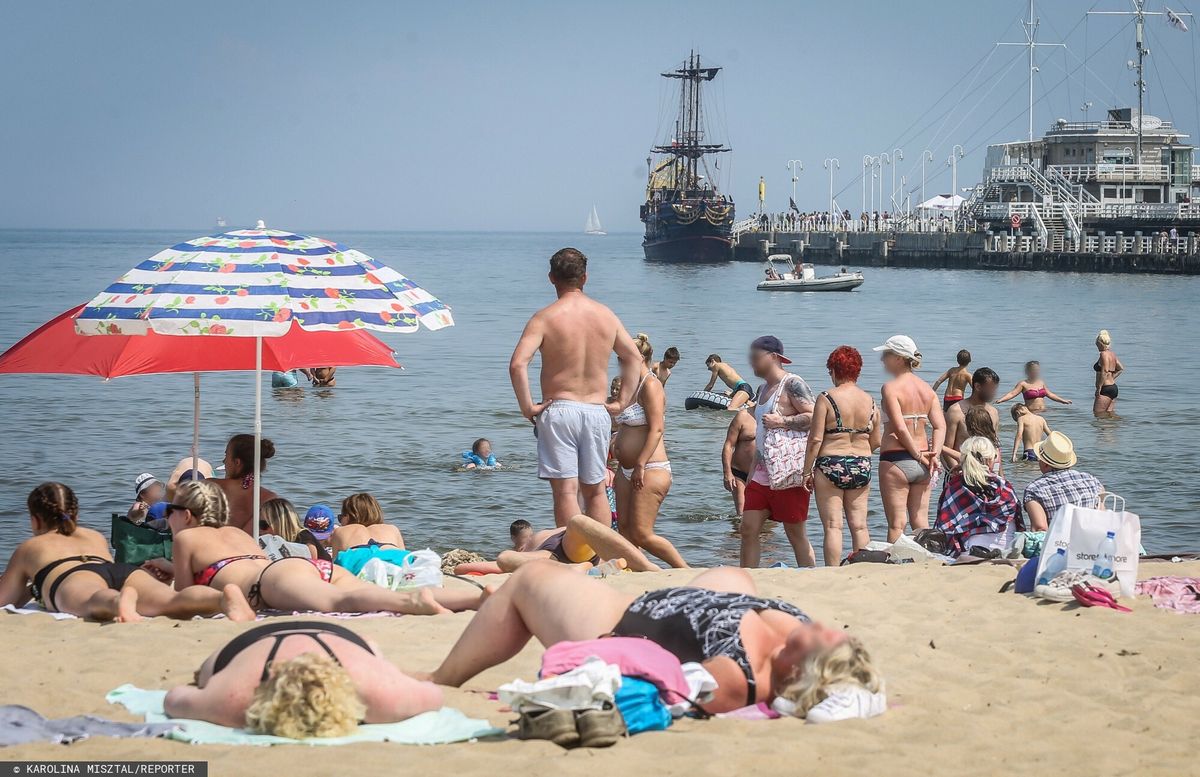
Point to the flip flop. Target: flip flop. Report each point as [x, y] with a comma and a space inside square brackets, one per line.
[1090, 596]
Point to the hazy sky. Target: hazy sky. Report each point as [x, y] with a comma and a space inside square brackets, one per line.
[506, 115]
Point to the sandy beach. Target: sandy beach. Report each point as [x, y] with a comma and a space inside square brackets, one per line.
[980, 683]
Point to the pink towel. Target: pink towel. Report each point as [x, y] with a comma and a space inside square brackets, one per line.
[636, 657]
[1181, 594]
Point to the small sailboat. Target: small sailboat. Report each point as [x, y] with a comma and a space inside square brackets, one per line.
[221, 223]
[593, 224]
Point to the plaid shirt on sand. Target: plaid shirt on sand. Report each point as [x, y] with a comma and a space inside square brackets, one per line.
[1063, 487]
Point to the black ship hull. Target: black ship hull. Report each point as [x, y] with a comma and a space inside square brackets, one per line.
[689, 249]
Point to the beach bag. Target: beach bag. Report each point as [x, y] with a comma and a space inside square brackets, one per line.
[783, 451]
[422, 568]
[134, 544]
[640, 706]
[1080, 530]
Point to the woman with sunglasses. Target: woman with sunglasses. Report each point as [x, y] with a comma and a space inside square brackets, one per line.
[210, 552]
[361, 525]
[67, 568]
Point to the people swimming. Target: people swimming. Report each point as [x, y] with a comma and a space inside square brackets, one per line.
[1031, 430]
[956, 380]
[740, 392]
[300, 679]
[67, 568]
[1032, 389]
[757, 649]
[737, 456]
[480, 456]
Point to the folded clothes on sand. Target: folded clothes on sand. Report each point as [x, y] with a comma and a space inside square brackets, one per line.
[1181, 594]
[590, 686]
[429, 728]
[21, 725]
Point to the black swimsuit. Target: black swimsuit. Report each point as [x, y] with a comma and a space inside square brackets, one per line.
[696, 624]
[281, 631]
[112, 572]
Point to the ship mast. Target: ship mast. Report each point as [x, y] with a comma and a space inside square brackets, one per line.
[1031, 42]
[1140, 13]
[688, 145]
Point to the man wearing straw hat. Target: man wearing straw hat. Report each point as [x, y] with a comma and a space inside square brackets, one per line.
[1060, 484]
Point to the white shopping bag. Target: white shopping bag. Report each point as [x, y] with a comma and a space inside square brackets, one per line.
[1080, 530]
[422, 568]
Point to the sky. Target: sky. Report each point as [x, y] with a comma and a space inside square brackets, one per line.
[519, 115]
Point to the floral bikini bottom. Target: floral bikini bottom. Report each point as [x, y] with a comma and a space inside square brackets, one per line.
[846, 472]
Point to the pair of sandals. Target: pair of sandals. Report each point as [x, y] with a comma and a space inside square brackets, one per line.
[1082, 587]
[573, 728]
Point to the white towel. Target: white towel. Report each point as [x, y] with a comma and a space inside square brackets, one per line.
[586, 687]
[36, 610]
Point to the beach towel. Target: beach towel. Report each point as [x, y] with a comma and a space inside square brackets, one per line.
[21, 725]
[37, 609]
[429, 728]
[1181, 594]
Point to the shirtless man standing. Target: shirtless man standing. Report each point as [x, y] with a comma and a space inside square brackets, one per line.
[740, 391]
[956, 379]
[737, 456]
[984, 384]
[575, 336]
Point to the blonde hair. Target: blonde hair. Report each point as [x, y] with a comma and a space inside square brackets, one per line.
[280, 515]
[205, 501]
[309, 696]
[642, 341]
[362, 509]
[1103, 340]
[977, 454]
[847, 662]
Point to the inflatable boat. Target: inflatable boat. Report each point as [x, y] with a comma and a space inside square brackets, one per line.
[804, 277]
[706, 400]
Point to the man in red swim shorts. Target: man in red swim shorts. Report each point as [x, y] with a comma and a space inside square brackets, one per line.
[786, 401]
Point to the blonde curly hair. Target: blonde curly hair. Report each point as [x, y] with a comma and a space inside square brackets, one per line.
[309, 696]
[848, 662]
[205, 501]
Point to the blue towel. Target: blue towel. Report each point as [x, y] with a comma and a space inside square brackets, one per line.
[353, 559]
[429, 728]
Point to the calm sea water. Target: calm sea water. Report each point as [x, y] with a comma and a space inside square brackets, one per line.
[398, 433]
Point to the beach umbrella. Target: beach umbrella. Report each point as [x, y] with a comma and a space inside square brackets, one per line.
[259, 283]
[57, 348]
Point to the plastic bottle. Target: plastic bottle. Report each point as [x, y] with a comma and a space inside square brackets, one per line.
[1056, 564]
[1103, 566]
[606, 569]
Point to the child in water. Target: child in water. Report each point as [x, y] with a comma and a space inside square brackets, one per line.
[1031, 429]
[480, 456]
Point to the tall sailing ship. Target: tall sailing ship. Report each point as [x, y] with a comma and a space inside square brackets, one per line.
[687, 218]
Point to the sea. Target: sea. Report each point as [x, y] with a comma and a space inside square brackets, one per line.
[399, 434]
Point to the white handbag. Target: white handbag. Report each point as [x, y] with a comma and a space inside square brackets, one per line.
[1080, 530]
[783, 451]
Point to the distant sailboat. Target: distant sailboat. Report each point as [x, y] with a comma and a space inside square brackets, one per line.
[593, 224]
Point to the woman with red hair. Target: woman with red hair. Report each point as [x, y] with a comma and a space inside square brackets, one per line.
[845, 432]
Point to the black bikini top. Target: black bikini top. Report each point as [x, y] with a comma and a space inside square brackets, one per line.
[281, 631]
[837, 419]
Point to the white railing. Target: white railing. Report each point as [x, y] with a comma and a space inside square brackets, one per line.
[1114, 173]
[1002, 211]
[1039, 224]
[745, 225]
[1072, 225]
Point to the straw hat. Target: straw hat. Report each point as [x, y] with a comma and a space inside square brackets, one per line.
[1056, 451]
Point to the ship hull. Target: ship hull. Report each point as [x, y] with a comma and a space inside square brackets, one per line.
[688, 249]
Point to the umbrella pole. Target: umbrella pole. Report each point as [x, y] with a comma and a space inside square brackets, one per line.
[257, 432]
[195, 421]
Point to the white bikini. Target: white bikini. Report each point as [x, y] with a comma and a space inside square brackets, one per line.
[635, 415]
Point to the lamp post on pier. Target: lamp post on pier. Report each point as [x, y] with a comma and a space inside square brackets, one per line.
[797, 167]
[884, 159]
[897, 156]
[868, 163]
[831, 164]
[926, 155]
[956, 153]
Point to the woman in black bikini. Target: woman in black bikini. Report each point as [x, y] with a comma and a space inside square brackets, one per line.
[361, 524]
[301, 679]
[845, 432]
[757, 649]
[1108, 368]
[67, 568]
[208, 552]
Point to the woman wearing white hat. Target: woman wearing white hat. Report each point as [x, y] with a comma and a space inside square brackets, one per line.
[912, 415]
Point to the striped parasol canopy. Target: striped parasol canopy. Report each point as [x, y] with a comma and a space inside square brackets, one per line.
[256, 283]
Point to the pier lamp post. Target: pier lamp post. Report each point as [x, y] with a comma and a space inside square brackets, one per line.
[868, 164]
[830, 165]
[897, 156]
[926, 155]
[1127, 153]
[797, 167]
[884, 159]
[956, 154]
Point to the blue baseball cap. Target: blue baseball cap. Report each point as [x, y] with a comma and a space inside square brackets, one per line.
[770, 344]
[191, 474]
[320, 521]
[157, 511]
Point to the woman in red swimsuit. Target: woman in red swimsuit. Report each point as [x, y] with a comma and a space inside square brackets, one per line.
[1033, 389]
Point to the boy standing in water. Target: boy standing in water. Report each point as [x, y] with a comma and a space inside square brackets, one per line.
[739, 390]
[956, 380]
[1031, 430]
[662, 369]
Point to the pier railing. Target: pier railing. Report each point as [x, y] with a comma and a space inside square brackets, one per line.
[1114, 173]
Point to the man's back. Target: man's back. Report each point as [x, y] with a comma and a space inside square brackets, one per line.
[578, 335]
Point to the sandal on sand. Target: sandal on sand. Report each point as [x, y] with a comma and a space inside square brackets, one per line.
[1059, 589]
[1092, 596]
[600, 728]
[557, 726]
